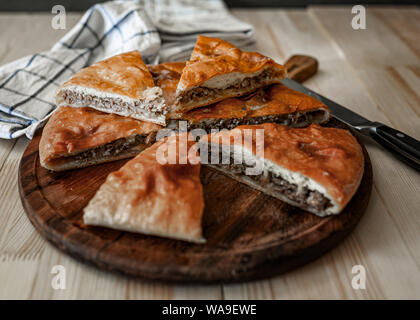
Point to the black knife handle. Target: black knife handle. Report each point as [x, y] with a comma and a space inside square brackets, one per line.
[402, 145]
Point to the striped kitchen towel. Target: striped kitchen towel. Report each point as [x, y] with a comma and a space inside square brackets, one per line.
[162, 30]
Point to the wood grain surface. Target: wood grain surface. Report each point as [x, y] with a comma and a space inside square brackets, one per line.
[386, 241]
[249, 235]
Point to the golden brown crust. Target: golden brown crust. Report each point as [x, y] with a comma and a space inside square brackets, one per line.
[226, 109]
[232, 72]
[279, 99]
[329, 156]
[124, 74]
[276, 99]
[166, 76]
[73, 130]
[212, 57]
[148, 197]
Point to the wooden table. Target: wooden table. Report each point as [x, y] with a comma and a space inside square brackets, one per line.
[376, 72]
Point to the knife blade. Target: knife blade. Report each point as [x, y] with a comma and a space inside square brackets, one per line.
[400, 144]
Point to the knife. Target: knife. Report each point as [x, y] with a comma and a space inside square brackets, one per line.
[404, 147]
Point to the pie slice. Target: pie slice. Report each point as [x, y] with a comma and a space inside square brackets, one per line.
[148, 197]
[218, 70]
[166, 76]
[275, 103]
[81, 137]
[121, 85]
[315, 168]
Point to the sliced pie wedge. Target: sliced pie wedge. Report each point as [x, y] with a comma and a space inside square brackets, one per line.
[315, 168]
[276, 103]
[81, 137]
[218, 70]
[148, 197]
[121, 84]
[166, 76]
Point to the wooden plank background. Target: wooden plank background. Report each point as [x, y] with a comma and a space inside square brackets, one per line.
[375, 72]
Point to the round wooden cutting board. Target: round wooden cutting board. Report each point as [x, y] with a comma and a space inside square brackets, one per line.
[249, 235]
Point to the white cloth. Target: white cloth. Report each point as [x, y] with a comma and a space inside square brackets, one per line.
[162, 30]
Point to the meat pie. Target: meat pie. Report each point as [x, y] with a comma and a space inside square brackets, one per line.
[81, 137]
[218, 70]
[121, 84]
[152, 197]
[315, 168]
[276, 103]
[166, 76]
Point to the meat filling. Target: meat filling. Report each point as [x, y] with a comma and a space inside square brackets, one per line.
[82, 100]
[306, 198]
[199, 93]
[294, 120]
[113, 149]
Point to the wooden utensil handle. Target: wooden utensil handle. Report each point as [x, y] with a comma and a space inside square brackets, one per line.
[301, 67]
